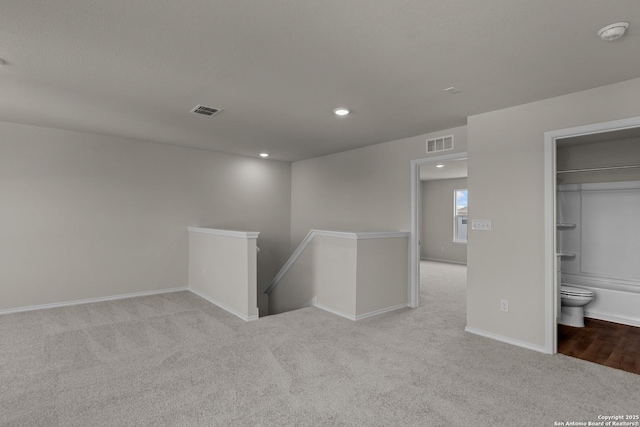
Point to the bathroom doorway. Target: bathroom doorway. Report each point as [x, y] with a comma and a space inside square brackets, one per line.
[442, 177]
[595, 176]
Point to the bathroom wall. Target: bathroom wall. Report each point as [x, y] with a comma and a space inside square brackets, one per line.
[604, 241]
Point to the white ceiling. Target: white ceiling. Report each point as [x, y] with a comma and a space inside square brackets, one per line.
[451, 169]
[278, 68]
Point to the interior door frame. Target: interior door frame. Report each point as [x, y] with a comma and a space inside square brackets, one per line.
[414, 241]
[551, 285]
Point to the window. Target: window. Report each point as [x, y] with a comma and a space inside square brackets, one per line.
[460, 207]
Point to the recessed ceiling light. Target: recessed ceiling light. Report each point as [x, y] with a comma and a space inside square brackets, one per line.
[439, 165]
[264, 155]
[452, 90]
[613, 31]
[341, 111]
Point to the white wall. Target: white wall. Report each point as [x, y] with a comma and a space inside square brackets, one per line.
[367, 189]
[354, 275]
[436, 229]
[382, 275]
[87, 216]
[506, 185]
[223, 269]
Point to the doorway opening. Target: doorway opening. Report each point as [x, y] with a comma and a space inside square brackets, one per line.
[575, 192]
[425, 170]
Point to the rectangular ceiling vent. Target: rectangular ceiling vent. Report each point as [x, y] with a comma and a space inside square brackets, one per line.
[205, 111]
[444, 143]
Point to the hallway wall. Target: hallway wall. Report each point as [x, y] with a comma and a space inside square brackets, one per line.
[437, 221]
[366, 189]
[88, 216]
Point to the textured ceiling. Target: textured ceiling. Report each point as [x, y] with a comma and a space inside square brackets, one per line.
[278, 68]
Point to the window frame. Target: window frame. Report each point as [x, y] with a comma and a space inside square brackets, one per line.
[456, 215]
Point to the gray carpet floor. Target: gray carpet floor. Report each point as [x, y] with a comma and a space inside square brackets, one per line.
[177, 360]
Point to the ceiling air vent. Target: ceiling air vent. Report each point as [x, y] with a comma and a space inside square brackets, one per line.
[205, 111]
[444, 143]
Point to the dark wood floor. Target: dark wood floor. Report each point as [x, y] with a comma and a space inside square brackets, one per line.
[605, 343]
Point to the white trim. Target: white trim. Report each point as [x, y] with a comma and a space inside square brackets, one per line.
[414, 247]
[91, 300]
[551, 339]
[360, 235]
[222, 306]
[541, 349]
[448, 261]
[329, 233]
[381, 311]
[382, 235]
[314, 303]
[609, 318]
[294, 256]
[227, 233]
[455, 217]
[333, 233]
[332, 311]
[550, 258]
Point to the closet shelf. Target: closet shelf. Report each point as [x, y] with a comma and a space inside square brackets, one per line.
[566, 254]
[565, 226]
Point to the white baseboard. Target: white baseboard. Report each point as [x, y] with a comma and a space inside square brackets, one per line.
[507, 340]
[448, 261]
[381, 311]
[614, 319]
[90, 300]
[223, 306]
[332, 311]
[314, 303]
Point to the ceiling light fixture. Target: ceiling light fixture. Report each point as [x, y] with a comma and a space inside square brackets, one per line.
[341, 111]
[613, 31]
[264, 155]
[439, 165]
[452, 90]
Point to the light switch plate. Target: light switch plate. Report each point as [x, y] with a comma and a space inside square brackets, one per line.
[481, 224]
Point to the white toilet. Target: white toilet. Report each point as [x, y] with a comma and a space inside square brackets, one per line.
[573, 299]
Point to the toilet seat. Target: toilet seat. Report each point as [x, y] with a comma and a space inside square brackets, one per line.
[573, 299]
[573, 291]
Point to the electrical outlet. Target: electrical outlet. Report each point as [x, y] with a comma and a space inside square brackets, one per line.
[504, 305]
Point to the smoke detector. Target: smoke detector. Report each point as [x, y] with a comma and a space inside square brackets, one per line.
[613, 31]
